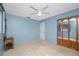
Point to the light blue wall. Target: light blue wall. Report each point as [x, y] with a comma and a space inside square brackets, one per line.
[1, 44]
[51, 25]
[1, 35]
[23, 30]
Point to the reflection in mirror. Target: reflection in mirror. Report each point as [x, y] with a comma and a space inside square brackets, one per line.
[59, 29]
[73, 29]
[65, 25]
[65, 29]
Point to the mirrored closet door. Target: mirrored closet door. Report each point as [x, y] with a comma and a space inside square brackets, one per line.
[67, 32]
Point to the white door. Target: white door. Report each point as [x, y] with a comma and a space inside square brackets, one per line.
[42, 30]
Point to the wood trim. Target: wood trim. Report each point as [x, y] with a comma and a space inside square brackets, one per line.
[62, 32]
[68, 32]
[76, 33]
[57, 32]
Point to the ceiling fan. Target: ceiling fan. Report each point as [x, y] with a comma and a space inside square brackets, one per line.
[39, 12]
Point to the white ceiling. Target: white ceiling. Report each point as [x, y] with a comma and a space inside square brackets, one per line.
[23, 9]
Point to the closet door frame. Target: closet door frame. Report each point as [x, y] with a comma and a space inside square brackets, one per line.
[76, 33]
[68, 32]
[62, 32]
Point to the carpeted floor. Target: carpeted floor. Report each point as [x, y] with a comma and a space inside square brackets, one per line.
[40, 49]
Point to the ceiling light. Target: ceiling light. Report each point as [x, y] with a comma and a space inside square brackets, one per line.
[39, 13]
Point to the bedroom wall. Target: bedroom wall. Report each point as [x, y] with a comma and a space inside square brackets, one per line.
[51, 25]
[1, 32]
[1, 44]
[1, 40]
[23, 30]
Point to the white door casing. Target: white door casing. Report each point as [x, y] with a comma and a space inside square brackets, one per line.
[42, 30]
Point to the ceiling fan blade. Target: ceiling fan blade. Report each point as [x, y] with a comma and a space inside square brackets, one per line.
[34, 8]
[32, 13]
[45, 8]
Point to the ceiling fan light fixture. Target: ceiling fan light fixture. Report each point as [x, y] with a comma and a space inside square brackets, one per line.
[39, 13]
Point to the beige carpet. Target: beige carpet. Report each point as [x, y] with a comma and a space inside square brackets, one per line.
[40, 49]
